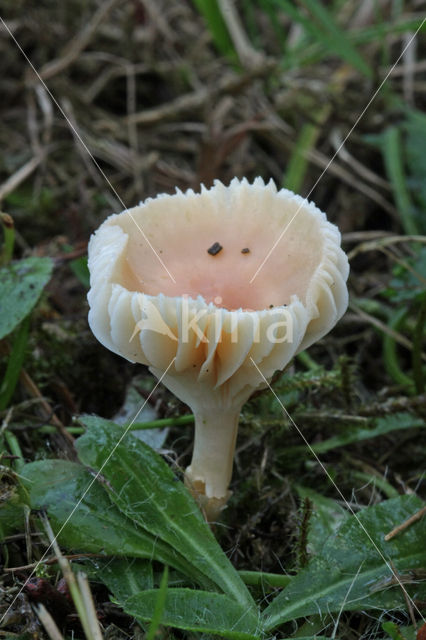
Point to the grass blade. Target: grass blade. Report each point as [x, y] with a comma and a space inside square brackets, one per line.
[216, 24]
[336, 39]
[393, 157]
[160, 603]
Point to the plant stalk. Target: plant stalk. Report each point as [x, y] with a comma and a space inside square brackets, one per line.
[210, 471]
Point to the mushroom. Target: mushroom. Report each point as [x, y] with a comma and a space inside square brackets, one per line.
[186, 297]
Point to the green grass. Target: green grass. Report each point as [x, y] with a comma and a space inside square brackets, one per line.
[289, 555]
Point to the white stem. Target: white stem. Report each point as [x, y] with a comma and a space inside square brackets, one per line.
[214, 444]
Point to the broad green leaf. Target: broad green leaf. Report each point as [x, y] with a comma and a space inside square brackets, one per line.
[21, 284]
[353, 571]
[85, 520]
[199, 611]
[145, 489]
[124, 577]
[326, 518]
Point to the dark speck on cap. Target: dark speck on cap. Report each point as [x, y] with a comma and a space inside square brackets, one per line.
[214, 249]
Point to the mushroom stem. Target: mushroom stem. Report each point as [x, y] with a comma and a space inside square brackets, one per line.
[210, 471]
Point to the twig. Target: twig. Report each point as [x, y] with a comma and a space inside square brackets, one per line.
[394, 405]
[46, 107]
[248, 56]
[78, 43]
[336, 139]
[48, 623]
[78, 587]
[366, 236]
[392, 255]
[197, 99]
[132, 128]
[323, 161]
[380, 242]
[401, 527]
[408, 61]
[82, 150]
[34, 391]
[89, 606]
[336, 169]
[74, 556]
[406, 597]
[19, 176]
[402, 340]
[156, 14]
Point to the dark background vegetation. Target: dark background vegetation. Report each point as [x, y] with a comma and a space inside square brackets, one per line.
[171, 94]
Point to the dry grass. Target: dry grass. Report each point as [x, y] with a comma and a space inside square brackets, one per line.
[139, 100]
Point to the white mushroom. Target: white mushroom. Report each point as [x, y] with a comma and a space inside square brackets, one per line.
[206, 317]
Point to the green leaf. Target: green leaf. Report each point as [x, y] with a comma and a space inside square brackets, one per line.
[124, 577]
[21, 284]
[351, 572]
[380, 426]
[264, 580]
[415, 128]
[337, 40]
[12, 518]
[322, 27]
[394, 163]
[199, 611]
[93, 524]
[326, 518]
[146, 490]
[8, 228]
[399, 633]
[379, 31]
[299, 160]
[408, 284]
[14, 364]
[81, 270]
[210, 11]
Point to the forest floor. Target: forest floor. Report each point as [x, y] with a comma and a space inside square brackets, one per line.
[137, 98]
